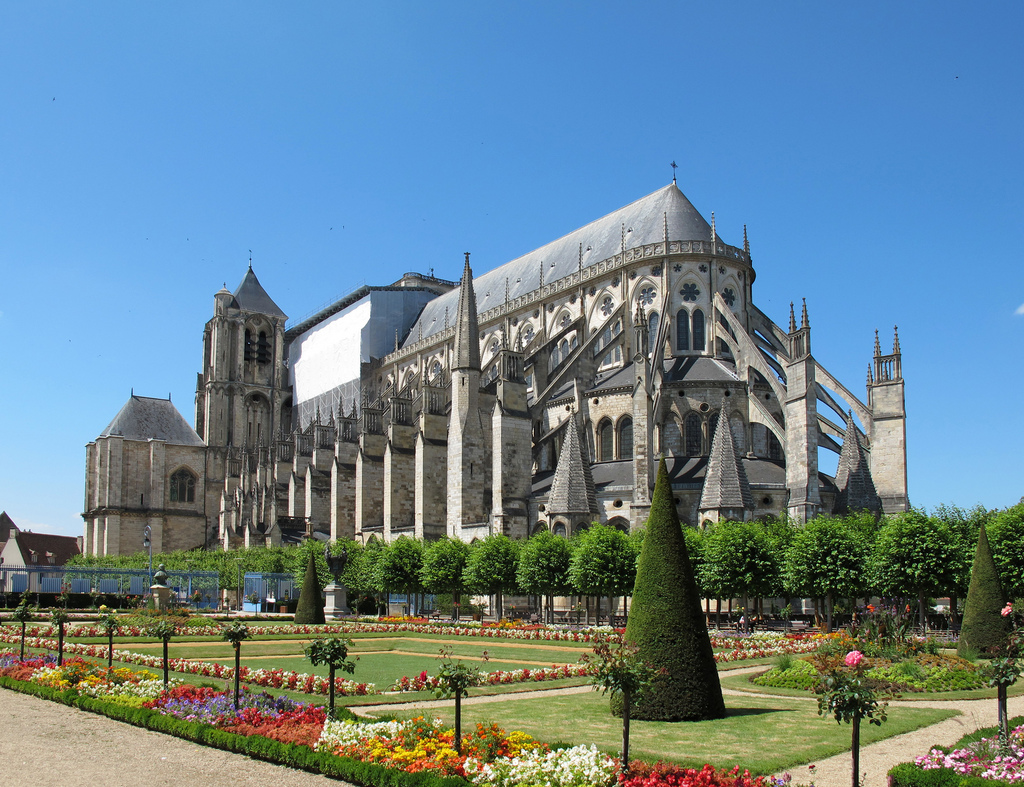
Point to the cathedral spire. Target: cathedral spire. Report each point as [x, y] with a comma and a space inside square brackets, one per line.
[714, 233]
[804, 322]
[853, 477]
[878, 347]
[792, 318]
[746, 243]
[726, 490]
[895, 340]
[467, 329]
[572, 488]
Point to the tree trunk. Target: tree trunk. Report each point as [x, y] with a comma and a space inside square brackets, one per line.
[110, 649]
[1003, 722]
[625, 733]
[60, 644]
[718, 614]
[953, 617]
[458, 722]
[166, 670]
[23, 640]
[330, 691]
[855, 749]
[921, 614]
[828, 613]
[238, 666]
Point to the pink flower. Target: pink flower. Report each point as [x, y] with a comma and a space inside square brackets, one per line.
[1007, 610]
[853, 658]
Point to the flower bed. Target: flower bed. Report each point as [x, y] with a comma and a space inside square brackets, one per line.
[425, 682]
[94, 680]
[982, 759]
[642, 774]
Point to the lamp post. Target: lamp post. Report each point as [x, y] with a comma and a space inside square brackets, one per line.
[238, 560]
[147, 542]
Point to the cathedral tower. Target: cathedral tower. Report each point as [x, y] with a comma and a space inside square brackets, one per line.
[888, 427]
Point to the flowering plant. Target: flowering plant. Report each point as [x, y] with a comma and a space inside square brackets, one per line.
[985, 758]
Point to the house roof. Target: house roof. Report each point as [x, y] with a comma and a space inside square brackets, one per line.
[251, 297]
[637, 224]
[144, 418]
[62, 548]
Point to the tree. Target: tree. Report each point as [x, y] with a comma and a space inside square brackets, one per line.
[360, 575]
[963, 529]
[491, 568]
[826, 559]
[23, 614]
[620, 670]
[59, 618]
[667, 625]
[738, 560]
[399, 565]
[444, 562]
[310, 609]
[984, 630]
[111, 626]
[236, 633]
[913, 557]
[163, 630]
[1006, 531]
[332, 651]
[602, 564]
[455, 678]
[543, 568]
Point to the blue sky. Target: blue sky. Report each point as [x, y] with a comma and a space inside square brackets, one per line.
[872, 149]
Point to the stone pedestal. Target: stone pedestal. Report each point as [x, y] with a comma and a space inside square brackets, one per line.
[161, 597]
[335, 601]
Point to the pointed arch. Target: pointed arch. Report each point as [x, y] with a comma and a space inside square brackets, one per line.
[182, 486]
[605, 441]
[694, 435]
[652, 331]
[624, 437]
[698, 330]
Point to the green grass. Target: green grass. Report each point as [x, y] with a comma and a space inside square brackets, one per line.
[763, 735]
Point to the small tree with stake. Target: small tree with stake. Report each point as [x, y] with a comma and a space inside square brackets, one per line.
[111, 627]
[58, 618]
[163, 630]
[236, 633]
[455, 678]
[846, 695]
[23, 614]
[332, 651]
[620, 670]
[1003, 673]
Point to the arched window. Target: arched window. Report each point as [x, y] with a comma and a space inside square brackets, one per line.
[671, 440]
[563, 349]
[683, 330]
[698, 329]
[774, 447]
[625, 437]
[263, 348]
[712, 426]
[183, 487]
[605, 441]
[619, 523]
[694, 438]
[652, 331]
[559, 529]
[250, 346]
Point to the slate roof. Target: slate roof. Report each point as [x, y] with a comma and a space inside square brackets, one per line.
[6, 525]
[143, 418]
[853, 477]
[63, 548]
[725, 482]
[572, 489]
[619, 378]
[251, 297]
[601, 239]
[698, 368]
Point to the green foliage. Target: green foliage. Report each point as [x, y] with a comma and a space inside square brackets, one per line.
[162, 630]
[739, 560]
[826, 558]
[399, 565]
[602, 563]
[913, 556]
[236, 633]
[492, 563]
[910, 775]
[847, 696]
[984, 629]
[23, 613]
[444, 562]
[310, 609]
[1007, 541]
[620, 669]
[332, 651]
[666, 622]
[455, 677]
[360, 576]
[543, 566]
[110, 623]
[800, 674]
[963, 527]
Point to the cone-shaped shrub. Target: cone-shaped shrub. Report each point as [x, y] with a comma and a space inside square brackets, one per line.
[311, 601]
[667, 625]
[984, 629]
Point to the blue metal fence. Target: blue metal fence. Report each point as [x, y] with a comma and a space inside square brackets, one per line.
[201, 588]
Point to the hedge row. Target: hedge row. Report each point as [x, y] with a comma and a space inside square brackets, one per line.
[908, 774]
[256, 746]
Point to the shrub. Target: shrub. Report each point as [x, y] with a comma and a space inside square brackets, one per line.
[984, 629]
[667, 625]
[800, 675]
[311, 601]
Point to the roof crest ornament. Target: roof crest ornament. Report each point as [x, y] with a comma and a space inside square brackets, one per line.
[746, 243]
[714, 234]
[895, 340]
[804, 322]
[878, 347]
[792, 318]
[673, 165]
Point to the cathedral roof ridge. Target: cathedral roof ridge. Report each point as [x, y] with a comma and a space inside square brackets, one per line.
[641, 222]
[146, 418]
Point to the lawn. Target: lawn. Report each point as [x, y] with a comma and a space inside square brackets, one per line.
[765, 735]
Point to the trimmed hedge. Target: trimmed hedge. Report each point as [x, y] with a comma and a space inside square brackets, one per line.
[256, 746]
[310, 610]
[667, 625]
[984, 629]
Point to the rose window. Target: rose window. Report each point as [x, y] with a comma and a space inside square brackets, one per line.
[690, 292]
[646, 296]
[729, 296]
[606, 307]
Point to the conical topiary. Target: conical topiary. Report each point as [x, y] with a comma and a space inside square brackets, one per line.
[311, 601]
[667, 625]
[985, 630]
